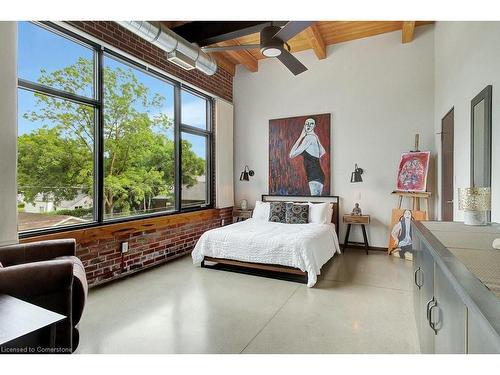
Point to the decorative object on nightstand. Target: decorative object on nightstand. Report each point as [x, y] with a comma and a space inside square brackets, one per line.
[246, 174]
[476, 203]
[356, 211]
[356, 220]
[244, 204]
[241, 215]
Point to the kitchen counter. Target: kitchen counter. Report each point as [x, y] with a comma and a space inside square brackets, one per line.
[467, 259]
[472, 247]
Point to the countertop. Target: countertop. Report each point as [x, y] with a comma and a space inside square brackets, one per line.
[466, 256]
[472, 247]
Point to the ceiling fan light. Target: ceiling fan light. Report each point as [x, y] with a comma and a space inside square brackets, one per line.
[271, 52]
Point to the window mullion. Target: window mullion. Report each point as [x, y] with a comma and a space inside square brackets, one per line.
[99, 159]
[177, 148]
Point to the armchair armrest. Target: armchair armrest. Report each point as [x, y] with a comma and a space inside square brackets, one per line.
[36, 251]
[34, 279]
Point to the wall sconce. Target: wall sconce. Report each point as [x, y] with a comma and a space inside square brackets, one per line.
[356, 175]
[246, 174]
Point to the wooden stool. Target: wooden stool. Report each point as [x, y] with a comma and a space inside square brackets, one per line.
[360, 220]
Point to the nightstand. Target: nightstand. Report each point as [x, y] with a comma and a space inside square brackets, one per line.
[241, 215]
[357, 220]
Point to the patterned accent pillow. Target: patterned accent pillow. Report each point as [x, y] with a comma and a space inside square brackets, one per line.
[296, 213]
[277, 212]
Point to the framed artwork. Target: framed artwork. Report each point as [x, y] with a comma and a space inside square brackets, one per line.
[299, 155]
[400, 239]
[412, 171]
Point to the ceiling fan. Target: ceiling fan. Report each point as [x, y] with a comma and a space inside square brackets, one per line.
[273, 43]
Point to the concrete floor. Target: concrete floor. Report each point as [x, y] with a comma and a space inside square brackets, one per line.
[361, 304]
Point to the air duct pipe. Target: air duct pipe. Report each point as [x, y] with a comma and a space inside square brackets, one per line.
[172, 43]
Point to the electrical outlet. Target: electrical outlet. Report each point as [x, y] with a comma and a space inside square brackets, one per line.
[124, 247]
[223, 222]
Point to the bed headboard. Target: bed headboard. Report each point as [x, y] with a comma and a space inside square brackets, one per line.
[333, 199]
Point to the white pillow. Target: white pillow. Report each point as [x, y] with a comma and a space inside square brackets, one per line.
[320, 213]
[329, 214]
[261, 211]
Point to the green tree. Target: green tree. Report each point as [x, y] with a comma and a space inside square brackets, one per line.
[56, 159]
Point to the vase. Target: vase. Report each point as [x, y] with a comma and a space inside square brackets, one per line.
[244, 204]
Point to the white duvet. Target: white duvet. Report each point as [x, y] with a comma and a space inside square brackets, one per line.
[303, 246]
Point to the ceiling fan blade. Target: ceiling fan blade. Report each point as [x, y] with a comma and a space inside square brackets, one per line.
[291, 29]
[230, 48]
[291, 62]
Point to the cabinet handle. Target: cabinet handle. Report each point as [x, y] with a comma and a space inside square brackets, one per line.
[415, 277]
[431, 323]
[428, 307]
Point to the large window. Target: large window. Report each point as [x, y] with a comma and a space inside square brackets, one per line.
[102, 138]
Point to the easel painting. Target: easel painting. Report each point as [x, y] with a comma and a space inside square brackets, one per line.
[299, 155]
[400, 240]
[412, 171]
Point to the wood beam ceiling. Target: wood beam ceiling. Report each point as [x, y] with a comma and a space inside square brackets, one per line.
[407, 31]
[316, 41]
[316, 37]
[224, 63]
[240, 56]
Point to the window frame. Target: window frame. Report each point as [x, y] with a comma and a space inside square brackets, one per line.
[208, 134]
[100, 51]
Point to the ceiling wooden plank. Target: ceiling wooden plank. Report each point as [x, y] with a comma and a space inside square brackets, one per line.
[316, 41]
[407, 31]
[224, 63]
[332, 32]
[241, 56]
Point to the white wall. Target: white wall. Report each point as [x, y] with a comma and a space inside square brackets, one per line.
[379, 92]
[8, 129]
[467, 59]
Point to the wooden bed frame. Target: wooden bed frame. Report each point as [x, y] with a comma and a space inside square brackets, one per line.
[275, 271]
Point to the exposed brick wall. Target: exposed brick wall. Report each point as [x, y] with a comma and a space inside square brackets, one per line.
[103, 260]
[220, 84]
[151, 242]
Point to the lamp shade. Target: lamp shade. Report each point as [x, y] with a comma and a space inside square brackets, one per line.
[474, 199]
[244, 176]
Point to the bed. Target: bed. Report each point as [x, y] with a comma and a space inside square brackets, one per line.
[293, 252]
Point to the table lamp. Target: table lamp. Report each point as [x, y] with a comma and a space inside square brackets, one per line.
[475, 202]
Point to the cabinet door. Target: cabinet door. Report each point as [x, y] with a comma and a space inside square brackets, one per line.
[481, 337]
[449, 316]
[417, 276]
[426, 333]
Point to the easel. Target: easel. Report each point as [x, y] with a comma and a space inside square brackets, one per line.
[414, 197]
[415, 200]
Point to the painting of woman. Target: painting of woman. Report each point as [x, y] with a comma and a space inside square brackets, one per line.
[299, 155]
[401, 233]
[309, 146]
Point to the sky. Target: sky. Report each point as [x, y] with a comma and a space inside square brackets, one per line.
[39, 48]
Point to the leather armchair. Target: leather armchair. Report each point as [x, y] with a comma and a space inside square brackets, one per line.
[47, 274]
